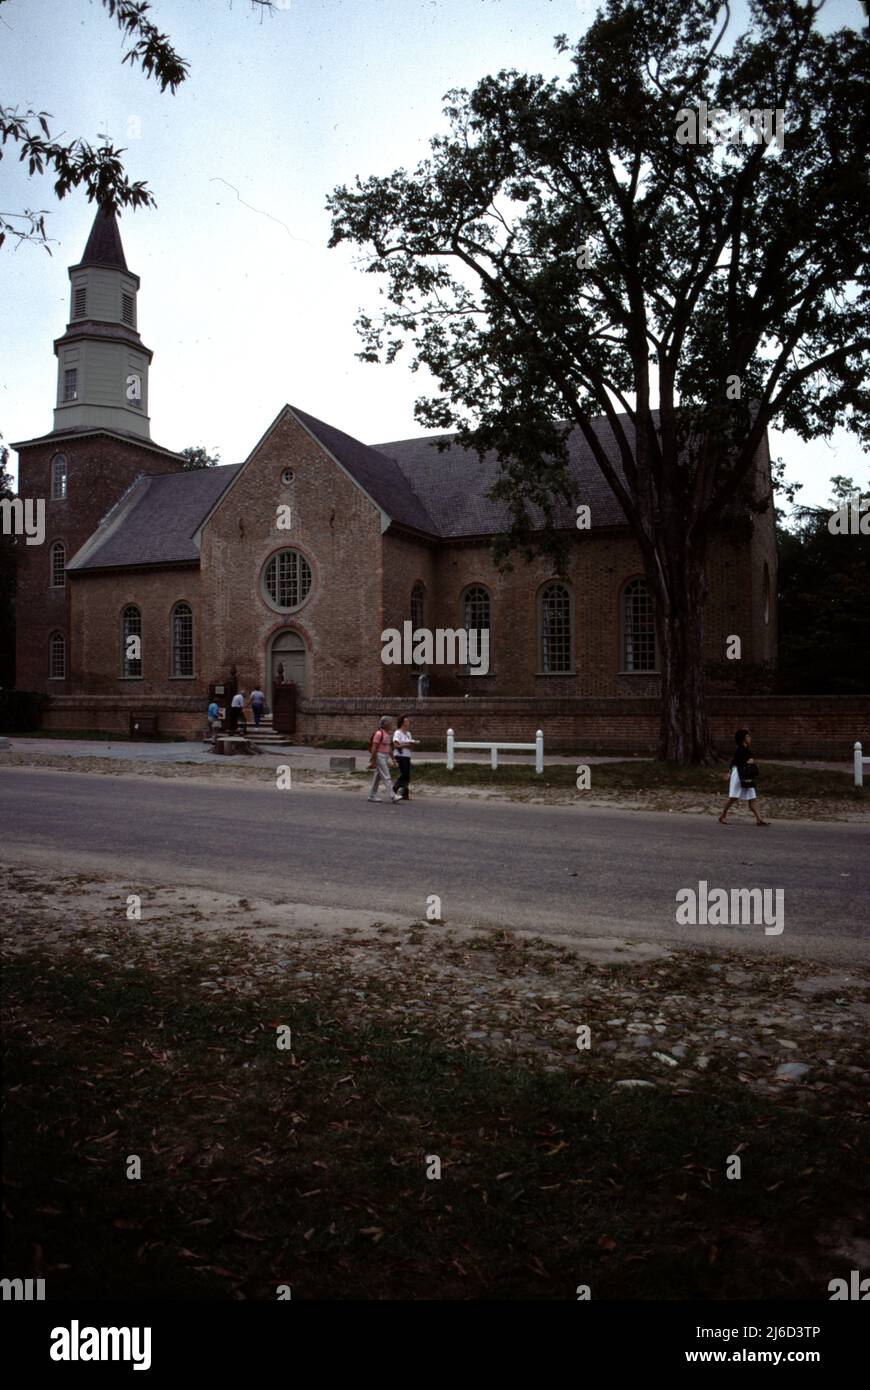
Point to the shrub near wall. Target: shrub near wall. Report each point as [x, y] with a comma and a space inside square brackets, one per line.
[21, 710]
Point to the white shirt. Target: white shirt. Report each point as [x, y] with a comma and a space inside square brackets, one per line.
[399, 737]
[238, 702]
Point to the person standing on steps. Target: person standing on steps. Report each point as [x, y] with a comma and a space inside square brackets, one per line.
[744, 776]
[402, 741]
[381, 758]
[237, 711]
[258, 701]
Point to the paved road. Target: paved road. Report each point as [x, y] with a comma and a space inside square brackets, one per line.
[570, 869]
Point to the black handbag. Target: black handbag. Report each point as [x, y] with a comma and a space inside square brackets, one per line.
[749, 775]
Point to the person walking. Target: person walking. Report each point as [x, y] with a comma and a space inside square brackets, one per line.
[258, 702]
[744, 776]
[402, 741]
[236, 710]
[381, 759]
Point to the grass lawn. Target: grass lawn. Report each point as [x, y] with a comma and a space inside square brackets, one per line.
[307, 1167]
[637, 775]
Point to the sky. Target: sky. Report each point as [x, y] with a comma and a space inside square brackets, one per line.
[242, 304]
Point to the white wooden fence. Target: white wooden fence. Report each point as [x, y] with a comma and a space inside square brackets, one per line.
[495, 747]
[860, 760]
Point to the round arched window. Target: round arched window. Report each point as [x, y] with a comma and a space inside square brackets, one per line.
[287, 475]
[287, 581]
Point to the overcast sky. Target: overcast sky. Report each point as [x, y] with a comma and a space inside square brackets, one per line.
[241, 302]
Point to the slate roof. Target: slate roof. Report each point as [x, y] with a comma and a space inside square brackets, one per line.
[440, 494]
[452, 485]
[154, 522]
[104, 243]
[443, 494]
[380, 476]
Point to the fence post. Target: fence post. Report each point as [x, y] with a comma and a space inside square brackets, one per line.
[449, 750]
[493, 758]
[859, 765]
[539, 751]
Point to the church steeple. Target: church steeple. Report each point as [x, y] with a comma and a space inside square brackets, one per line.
[104, 243]
[102, 377]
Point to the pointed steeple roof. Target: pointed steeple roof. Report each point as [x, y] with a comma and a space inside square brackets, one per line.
[104, 243]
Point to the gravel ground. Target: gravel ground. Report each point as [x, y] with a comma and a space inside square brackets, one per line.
[656, 1018]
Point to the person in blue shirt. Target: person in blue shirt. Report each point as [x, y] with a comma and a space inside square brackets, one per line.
[214, 718]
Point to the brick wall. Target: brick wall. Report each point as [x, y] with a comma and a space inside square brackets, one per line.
[817, 727]
[181, 715]
[808, 727]
[338, 531]
[97, 602]
[406, 562]
[599, 569]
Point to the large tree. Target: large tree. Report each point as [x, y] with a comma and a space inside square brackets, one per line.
[723, 282]
[78, 163]
[824, 596]
[197, 456]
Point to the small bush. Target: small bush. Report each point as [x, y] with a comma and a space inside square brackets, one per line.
[21, 710]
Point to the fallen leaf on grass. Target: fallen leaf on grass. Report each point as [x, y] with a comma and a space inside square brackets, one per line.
[376, 1233]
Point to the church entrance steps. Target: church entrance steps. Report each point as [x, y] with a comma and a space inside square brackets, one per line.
[266, 735]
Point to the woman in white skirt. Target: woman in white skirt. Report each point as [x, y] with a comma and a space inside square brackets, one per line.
[743, 774]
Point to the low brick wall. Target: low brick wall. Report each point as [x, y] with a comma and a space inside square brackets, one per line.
[182, 716]
[811, 727]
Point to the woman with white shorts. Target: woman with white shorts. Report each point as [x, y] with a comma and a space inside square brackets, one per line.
[743, 775]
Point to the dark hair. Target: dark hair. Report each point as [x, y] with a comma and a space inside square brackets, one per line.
[740, 735]
[401, 719]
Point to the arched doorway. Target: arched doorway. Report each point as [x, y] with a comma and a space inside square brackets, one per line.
[287, 649]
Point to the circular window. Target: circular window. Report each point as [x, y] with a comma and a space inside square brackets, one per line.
[287, 580]
[287, 476]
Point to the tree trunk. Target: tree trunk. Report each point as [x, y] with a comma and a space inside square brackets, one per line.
[684, 735]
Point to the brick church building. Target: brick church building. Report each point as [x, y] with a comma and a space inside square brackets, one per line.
[210, 570]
